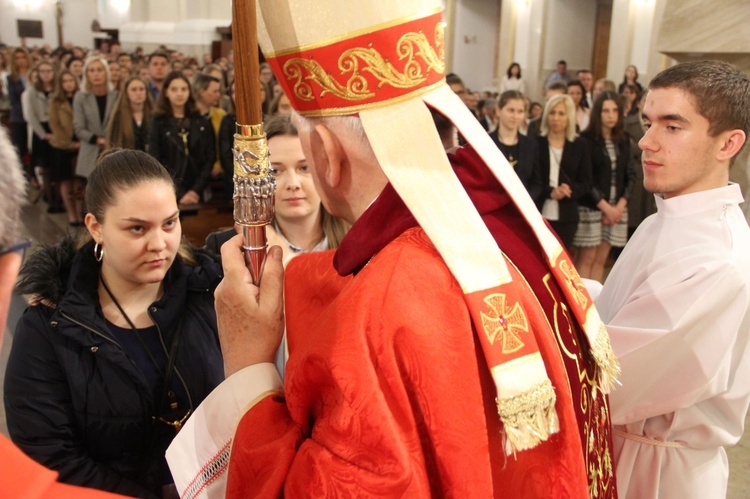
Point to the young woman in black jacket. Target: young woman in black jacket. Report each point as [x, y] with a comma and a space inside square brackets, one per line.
[603, 211]
[182, 140]
[121, 345]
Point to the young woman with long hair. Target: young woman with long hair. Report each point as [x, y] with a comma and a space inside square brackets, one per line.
[16, 82]
[130, 122]
[35, 100]
[577, 92]
[182, 139]
[604, 209]
[520, 151]
[300, 221]
[301, 224]
[122, 343]
[65, 145]
[565, 167]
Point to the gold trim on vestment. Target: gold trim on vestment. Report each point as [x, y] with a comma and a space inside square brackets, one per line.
[343, 111]
[353, 34]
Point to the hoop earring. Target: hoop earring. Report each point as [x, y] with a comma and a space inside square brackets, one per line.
[98, 252]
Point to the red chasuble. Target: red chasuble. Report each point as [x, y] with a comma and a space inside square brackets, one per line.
[387, 392]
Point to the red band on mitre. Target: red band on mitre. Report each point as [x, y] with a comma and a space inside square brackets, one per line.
[365, 70]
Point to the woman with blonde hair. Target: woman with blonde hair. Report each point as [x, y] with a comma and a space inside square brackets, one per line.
[92, 107]
[301, 224]
[65, 146]
[565, 166]
[129, 125]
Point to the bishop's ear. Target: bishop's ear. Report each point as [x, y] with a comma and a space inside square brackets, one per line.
[334, 152]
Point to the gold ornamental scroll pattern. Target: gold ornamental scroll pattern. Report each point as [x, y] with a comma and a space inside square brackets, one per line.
[413, 49]
[505, 323]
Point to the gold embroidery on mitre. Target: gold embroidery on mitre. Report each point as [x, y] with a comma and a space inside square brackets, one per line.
[506, 323]
[411, 46]
[575, 284]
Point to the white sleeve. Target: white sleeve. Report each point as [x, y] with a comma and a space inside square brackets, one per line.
[674, 338]
[199, 455]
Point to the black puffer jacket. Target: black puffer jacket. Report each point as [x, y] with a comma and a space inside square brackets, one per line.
[75, 401]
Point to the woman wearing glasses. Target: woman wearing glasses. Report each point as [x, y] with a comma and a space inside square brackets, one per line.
[122, 343]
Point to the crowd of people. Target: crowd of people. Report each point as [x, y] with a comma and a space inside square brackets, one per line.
[577, 154]
[65, 107]
[448, 348]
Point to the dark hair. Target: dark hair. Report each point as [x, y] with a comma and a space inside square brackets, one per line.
[201, 81]
[279, 125]
[72, 60]
[577, 83]
[562, 61]
[719, 91]
[558, 85]
[163, 106]
[39, 85]
[158, 53]
[118, 170]
[509, 95]
[453, 78]
[510, 75]
[594, 130]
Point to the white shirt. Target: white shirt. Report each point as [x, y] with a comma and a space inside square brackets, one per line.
[551, 207]
[676, 305]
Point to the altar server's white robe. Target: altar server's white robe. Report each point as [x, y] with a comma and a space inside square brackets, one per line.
[676, 305]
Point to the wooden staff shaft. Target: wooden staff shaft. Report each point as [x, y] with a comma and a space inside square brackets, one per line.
[246, 63]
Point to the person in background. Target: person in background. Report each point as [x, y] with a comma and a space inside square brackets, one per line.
[630, 94]
[677, 301]
[182, 139]
[488, 119]
[630, 78]
[601, 85]
[75, 65]
[35, 100]
[65, 146]
[556, 88]
[512, 79]
[220, 73]
[280, 105]
[587, 80]
[131, 120]
[565, 166]
[559, 75]
[577, 92]
[16, 83]
[116, 75]
[158, 68]
[641, 203]
[207, 91]
[227, 130]
[603, 210]
[92, 107]
[120, 344]
[520, 151]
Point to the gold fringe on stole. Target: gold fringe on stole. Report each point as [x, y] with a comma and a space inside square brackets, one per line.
[529, 418]
[445, 101]
[606, 361]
